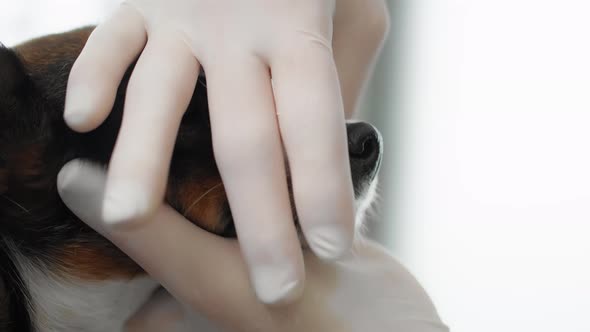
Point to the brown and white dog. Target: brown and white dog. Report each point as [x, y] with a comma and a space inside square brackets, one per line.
[57, 274]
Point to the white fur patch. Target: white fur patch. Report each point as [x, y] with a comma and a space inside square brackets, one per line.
[364, 202]
[59, 304]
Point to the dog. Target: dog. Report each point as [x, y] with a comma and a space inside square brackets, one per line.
[56, 273]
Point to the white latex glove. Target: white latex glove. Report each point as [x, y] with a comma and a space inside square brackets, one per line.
[366, 291]
[241, 44]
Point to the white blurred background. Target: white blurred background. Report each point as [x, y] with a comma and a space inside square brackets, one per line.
[485, 109]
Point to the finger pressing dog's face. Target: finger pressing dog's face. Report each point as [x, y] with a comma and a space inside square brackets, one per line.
[35, 143]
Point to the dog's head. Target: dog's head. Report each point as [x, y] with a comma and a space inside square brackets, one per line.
[35, 143]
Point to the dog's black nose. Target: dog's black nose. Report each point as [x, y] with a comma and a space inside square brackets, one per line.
[364, 142]
[364, 149]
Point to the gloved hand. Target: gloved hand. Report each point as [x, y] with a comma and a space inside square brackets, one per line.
[366, 291]
[241, 45]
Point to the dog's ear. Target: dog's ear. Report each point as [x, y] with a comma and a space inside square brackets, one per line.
[13, 76]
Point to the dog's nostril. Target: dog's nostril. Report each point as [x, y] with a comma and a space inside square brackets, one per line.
[364, 148]
[363, 142]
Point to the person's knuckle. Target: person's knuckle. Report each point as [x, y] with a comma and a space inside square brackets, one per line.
[315, 40]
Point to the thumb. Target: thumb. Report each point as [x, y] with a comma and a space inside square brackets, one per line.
[203, 271]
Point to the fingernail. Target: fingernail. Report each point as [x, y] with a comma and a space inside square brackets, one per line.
[276, 285]
[329, 242]
[67, 175]
[78, 109]
[123, 203]
[76, 119]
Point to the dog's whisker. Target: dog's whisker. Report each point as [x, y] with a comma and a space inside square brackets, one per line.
[15, 203]
[188, 209]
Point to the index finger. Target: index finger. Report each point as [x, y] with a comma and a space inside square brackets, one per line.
[99, 69]
[158, 94]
